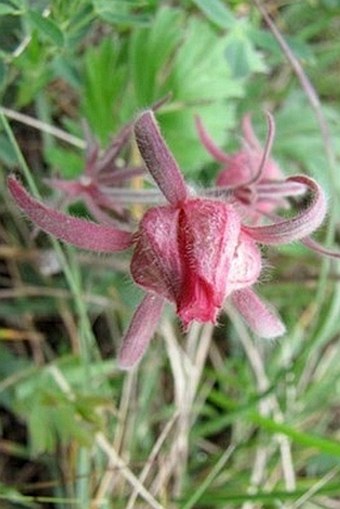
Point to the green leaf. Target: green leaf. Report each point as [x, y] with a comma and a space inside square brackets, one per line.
[151, 50]
[11, 495]
[325, 445]
[125, 19]
[69, 163]
[64, 419]
[220, 497]
[104, 78]
[3, 73]
[19, 4]
[39, 399]
[7, 154]
[217, 12]
[240, 52]
[299, 140]
[172, 57]
[181, 135]
[6, 9]
[118, 12]
[42, 435]
[63, 67]
[46, 27]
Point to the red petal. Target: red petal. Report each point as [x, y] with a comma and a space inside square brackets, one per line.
[76, 231]
[185, 254]
[207, 238]
[155, 263]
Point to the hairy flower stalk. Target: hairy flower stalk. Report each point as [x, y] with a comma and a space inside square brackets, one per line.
[192, 251]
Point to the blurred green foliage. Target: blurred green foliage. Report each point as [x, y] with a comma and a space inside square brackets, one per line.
[103, 61]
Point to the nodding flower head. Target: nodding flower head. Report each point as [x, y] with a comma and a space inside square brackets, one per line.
[193, 251]
[194, 255]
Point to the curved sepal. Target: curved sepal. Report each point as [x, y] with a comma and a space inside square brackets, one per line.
[159, 160]
[141, 329]
[298, 227]
[261, 320]
[78, 232]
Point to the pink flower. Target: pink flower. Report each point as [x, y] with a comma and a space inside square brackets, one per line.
[250, 173]
[193, 251]
[101, 173]
[194, 255]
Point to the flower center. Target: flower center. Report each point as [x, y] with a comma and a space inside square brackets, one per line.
[197, 301]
